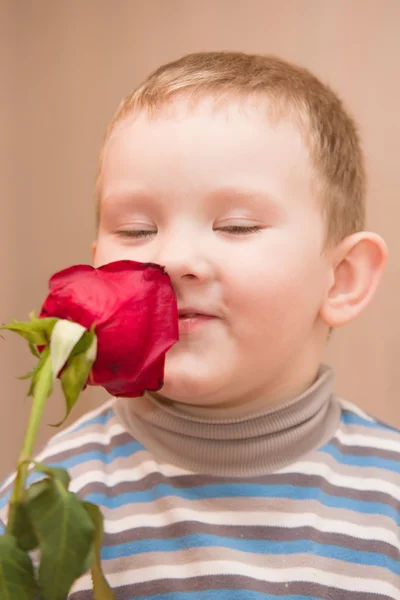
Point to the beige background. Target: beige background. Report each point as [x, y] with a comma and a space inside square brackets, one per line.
[65, 65]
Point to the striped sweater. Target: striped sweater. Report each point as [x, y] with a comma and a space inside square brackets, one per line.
[298, 502]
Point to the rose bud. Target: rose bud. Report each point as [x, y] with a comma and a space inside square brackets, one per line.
[133, 310]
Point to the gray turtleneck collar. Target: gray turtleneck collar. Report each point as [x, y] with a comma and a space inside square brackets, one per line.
[250, 445]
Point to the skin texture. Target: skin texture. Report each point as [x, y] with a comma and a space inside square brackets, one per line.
[185, 175]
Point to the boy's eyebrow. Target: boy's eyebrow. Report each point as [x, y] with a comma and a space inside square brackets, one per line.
[226, 195]
[125, 197]
[254, 196]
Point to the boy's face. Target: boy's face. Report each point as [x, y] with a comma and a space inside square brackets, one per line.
[194, 180]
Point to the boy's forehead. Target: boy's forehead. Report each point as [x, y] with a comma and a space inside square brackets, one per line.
[232, 111]
[247, 120]
[231, 146]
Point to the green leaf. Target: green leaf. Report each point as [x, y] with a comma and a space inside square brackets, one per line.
[101, 589]
[65, 533]
[35, 490]
[37, 331]
[56, 473]
[17, 576]
[73, 379]
[22, 528]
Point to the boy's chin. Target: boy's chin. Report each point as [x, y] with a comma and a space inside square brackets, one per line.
[183, 392]
[199, 380]
[190, 390]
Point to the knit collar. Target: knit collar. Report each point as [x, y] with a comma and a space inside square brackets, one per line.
[249, 445]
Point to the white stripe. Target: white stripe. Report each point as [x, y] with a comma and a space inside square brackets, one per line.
[220, 567]
[105, 406]
[254, 518]
[96, 437]
[145, 468]
[360, 483]
[368, 441]
[7, 481]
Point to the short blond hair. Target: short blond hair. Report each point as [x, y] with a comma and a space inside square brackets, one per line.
[329, 132]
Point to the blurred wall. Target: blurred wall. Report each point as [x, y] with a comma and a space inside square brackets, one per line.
[64, 68]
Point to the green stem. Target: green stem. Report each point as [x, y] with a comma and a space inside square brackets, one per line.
[42, 391]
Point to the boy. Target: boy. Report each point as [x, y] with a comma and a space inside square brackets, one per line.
[245, 476]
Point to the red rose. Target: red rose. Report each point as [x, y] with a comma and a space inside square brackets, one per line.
[134, 309]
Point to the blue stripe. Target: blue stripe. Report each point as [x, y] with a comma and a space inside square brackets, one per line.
[106, 458]
[261, 547]
[350, 418]
[361, 461]
[243, 490]
[101, 419]
[216, 594]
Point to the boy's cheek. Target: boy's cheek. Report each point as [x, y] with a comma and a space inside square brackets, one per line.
[104, 252]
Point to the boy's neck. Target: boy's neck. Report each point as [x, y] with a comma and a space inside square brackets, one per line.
[257, 402]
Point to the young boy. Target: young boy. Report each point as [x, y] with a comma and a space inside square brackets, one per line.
[245, 477]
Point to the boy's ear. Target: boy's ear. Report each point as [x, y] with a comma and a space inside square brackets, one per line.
[357, 265]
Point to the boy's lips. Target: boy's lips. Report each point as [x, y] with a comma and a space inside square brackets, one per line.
[193, 322]
[192, 319]
[190, 311]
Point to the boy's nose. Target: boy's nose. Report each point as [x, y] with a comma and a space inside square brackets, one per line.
[184, 259]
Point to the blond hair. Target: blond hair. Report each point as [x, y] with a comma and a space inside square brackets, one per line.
[329, 133]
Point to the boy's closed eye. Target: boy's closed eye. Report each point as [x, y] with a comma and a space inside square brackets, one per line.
[232, 229]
